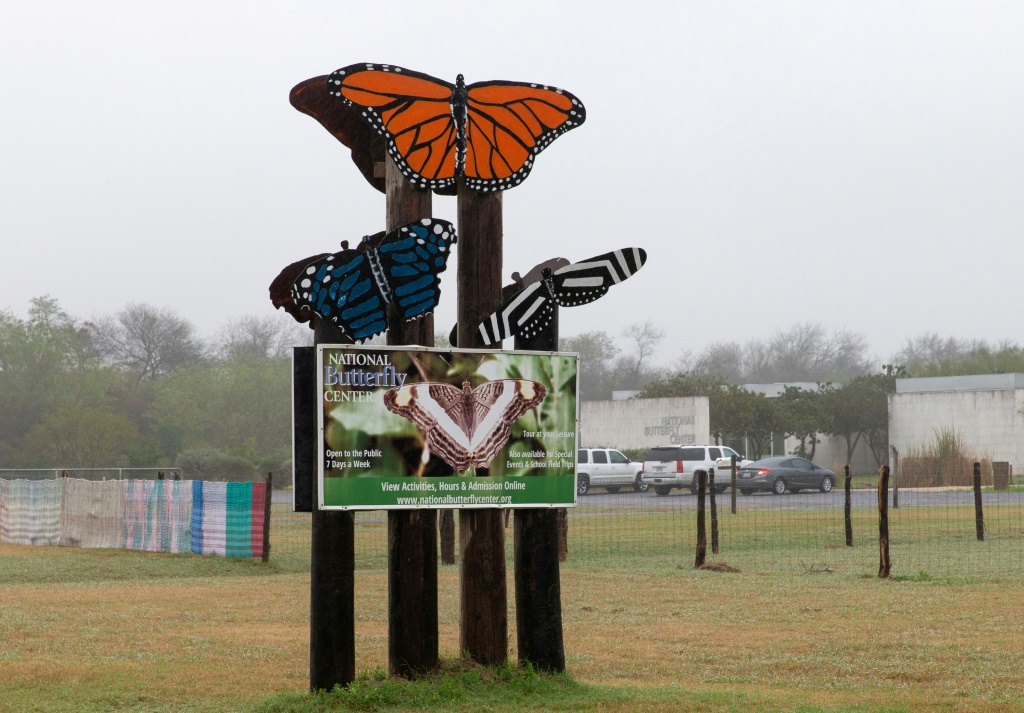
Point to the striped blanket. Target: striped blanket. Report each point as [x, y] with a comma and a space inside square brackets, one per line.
[227, 518]
[30, 512]
[157, 515]
[92, 513]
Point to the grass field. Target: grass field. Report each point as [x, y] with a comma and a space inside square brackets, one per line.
[804, 626]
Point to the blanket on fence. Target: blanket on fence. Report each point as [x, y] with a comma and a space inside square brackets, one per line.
[227, 518]
[158, 515]
[30, 511]
[92, 513]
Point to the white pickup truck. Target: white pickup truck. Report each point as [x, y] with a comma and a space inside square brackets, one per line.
[667, 467]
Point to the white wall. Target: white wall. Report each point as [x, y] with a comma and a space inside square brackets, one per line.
[643, 423]
[989, 422]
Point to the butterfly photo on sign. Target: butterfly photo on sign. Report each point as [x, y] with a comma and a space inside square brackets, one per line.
[441, 412]
[487, 133]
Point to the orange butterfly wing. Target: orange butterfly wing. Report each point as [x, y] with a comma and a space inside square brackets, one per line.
[414, 114]
[508, 124]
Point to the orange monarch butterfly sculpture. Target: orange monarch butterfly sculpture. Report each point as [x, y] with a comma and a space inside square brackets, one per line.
[487, 132]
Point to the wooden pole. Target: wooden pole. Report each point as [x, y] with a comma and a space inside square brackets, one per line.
[714, 511]
[884, 565]
[266, 517]
[483, 604]
[563, 534]
[732, 479]
[332, 640]
[702, 538]
[979, 515]
[446, 528]
[412, 534]
[536, 555]
[846, 511]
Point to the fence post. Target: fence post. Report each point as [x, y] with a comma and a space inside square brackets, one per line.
[979, 515]
[849, 522]
[884, 565]
[702, 539]
[446, 527]
[714, 511]
[266, 517]
[563, 534]
[732, 479]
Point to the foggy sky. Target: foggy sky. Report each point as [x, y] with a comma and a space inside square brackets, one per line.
[858, 165]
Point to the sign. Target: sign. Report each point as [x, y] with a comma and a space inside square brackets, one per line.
[411, 427]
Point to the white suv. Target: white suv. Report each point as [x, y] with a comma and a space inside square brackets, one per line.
[667, 467]
[606, 468]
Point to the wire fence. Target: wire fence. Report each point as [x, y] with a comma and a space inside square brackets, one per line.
[933, 529]
[933, 532]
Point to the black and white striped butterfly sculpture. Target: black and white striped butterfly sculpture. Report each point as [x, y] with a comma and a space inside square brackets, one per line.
[468, 426]
[529, 311]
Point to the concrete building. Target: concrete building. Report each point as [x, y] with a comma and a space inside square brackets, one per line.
[644, 423]
[985, 410]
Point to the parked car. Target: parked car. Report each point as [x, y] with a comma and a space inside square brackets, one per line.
[606, 468]
[667, 467]
[781, 473]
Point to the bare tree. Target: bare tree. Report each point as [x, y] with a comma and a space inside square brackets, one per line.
[146, 341]
[644, 339]
[249, 337]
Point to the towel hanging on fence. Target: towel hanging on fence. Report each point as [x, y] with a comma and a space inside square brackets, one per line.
[92, 513]
[30, 512]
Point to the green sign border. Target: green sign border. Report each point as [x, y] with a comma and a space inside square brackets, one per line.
[356, 483]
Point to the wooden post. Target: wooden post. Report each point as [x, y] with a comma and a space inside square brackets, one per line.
[412, 534]
[979, 515]
[714, 511]
[536, 556]
[332, 640]
[483, 604]
[446, 526]
[884, 565]
[266, 517]
[702, 538]
[732, 479]
[846, 510]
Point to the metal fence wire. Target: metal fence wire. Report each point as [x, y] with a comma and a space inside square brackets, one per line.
[933, 529]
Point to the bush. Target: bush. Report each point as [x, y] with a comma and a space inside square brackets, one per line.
[212, 464]
[946, 461]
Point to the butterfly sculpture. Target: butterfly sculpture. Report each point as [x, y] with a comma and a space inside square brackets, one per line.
[487, 132]
[353, 288]
[529, 311]
[467, 426]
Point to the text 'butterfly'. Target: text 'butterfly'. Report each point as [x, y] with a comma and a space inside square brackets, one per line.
[353, 288]
[530, 310]
[487, 132]
[468, 426]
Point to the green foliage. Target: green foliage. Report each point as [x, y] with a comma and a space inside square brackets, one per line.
[735, 411]
[683, 383]
[212, 464]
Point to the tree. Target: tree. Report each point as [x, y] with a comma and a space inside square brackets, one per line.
[805, 352]
[802, 416]
[860, 409]
[596, 350]
[734, 411]
[645, 339]
[682, 383]
[146, 341]
[253, 337]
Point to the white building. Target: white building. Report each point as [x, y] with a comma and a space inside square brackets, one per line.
[985, 411]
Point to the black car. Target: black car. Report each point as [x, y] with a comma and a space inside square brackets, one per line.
[782, 473]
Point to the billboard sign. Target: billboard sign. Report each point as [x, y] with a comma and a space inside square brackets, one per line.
[412, 427]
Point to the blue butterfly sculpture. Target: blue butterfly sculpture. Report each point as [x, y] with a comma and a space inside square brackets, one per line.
[353, 288]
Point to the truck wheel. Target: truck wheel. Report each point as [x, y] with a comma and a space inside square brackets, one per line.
[639, 485]
[662, 489]
[582, 485]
